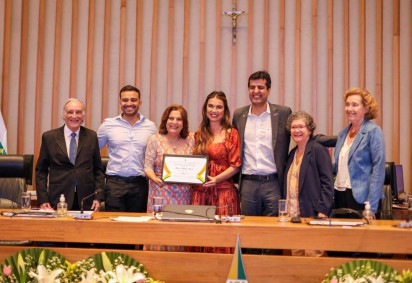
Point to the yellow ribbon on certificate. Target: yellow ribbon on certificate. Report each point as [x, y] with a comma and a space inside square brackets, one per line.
[168, 172]
[200, 173]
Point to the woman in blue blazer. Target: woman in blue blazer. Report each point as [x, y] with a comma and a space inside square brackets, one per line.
[359, 154]
[308, 183]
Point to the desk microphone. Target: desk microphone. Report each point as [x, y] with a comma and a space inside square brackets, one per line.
[81, 215]
[83, 199]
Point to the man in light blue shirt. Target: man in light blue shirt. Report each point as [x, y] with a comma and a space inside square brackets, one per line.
[126, 136]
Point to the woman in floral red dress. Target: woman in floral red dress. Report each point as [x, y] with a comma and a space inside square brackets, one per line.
[220, 141]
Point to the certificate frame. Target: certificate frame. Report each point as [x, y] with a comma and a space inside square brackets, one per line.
[184, 169]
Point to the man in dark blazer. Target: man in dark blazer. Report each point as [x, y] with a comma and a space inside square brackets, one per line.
[264, 148]
[56, 174]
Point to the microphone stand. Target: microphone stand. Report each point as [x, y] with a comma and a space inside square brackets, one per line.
[82, 215]
[83, 199]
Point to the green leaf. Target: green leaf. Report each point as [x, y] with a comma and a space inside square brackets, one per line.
[42, 258]
[107, 265]
[21, 268]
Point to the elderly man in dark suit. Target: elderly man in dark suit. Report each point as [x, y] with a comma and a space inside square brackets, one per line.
[69, 163]
[264, 148]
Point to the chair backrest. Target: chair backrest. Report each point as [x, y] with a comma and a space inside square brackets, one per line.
[11, 190]
[105, 160]
[16, 172]
[389, 174]
[326, 141]
[386, 202]
[17, 166]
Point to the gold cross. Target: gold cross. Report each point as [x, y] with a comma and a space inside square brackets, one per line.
[234, 13]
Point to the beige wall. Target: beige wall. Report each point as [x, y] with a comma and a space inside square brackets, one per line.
[179, 51]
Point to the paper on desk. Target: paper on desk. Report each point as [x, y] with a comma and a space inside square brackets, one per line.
[132, 219]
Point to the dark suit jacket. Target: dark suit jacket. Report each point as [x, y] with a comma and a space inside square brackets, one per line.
[280, 136]
[55, 174]
[315, 180]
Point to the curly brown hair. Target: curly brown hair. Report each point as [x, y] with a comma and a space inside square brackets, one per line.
[165, 116]
[309, 123]
[367, 100]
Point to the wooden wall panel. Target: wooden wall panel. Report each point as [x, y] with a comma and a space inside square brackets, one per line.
[298, 22]
[177, 69]
[346, 39]
[314, 59]
[202, 54]
[122, 48]
[39, 75]
[89, 66]
[251, 43]
[282, 48]
[410, 92]
[6, 62]
[396, 81]
[379, 59]
[362, 44]
[74, 39]
[185, 59]
[266, 16]
[57, 63]
[106, 52]
[329, 126]
[23, 76]
[170, 50]
[153, 61]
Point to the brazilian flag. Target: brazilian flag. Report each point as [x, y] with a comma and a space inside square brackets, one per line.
[237, 272]
[3, 136]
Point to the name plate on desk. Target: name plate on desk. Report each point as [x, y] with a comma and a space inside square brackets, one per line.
[184, 169]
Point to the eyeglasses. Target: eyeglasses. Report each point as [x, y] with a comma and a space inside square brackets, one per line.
[298, 127]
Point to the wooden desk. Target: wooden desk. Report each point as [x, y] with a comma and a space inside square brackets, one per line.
[255, 232]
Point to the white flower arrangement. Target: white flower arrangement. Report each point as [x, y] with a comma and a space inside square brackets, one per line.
[367, 271]
[46, 266]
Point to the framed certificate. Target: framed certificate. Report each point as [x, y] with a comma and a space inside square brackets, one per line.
[185, 169]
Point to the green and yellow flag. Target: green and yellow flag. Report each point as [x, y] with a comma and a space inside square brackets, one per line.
[3, 136]
[237, 272]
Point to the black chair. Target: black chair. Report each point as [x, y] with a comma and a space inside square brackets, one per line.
[105, 160]
[386, 202]
[326, 141]
[17, 166]
[16, 172]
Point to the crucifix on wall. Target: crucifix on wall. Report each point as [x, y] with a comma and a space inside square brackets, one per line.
[234, 14]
